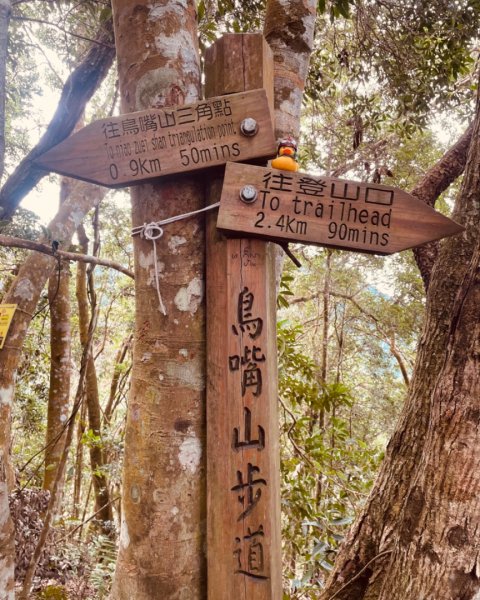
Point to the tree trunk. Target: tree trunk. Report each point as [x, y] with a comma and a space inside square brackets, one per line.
[59, 392]
[7, 537]
[77, 91]
[97, 461]
[416, 538]
[117, 371]
[323, 366]
[289, 28]
[435, 182]
[25, 292]
[162, 538]
[60, 361]
[24, 594]
[77, 481]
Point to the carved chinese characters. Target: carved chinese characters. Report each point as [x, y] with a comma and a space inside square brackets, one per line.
[243, 469]
[139, 146]
[249, 549]
[285, 206]
[253, 564]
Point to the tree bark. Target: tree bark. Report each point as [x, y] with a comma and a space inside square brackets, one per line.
[289, 30]
[162, 538]
[416, 535]
[60, 368]
[7, 537]
[60, 359]
[77, 481]
[77, 91]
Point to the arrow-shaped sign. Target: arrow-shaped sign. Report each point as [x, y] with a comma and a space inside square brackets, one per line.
[135, 147]
[285, 206]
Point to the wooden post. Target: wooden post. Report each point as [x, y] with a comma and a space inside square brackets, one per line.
[243, 470]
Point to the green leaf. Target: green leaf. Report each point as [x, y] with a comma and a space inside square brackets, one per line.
[321, 6]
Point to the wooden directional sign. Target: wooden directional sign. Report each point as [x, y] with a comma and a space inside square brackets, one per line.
[286, 206]
[135, 147]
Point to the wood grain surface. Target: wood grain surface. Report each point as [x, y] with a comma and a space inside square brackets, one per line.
[243, 459]
[136, 147]
[311, 209]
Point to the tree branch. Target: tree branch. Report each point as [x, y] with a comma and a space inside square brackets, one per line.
[357, 157]
[70, 533]
[77, 91]
[385, 336]
[436, 180]
[290, 435]
[75, 35]
[13, 242]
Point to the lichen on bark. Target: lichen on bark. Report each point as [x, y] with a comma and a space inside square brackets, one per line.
[289, 29]
[162, 550]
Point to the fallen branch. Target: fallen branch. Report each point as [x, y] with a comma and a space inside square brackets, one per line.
[14, 242]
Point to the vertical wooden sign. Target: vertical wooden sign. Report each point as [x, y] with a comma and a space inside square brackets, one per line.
[243, 471]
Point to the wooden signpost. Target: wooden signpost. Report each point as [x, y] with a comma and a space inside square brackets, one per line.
[366, 217]
[136, 147]
[243, 471]
[243, 458]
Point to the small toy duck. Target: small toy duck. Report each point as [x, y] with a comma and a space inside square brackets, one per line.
[286, 155]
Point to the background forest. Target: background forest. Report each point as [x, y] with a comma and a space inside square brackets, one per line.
[391, 88]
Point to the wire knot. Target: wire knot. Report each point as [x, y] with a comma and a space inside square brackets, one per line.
[152, 231]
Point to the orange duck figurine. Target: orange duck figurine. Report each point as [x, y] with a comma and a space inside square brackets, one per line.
[286, 155]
